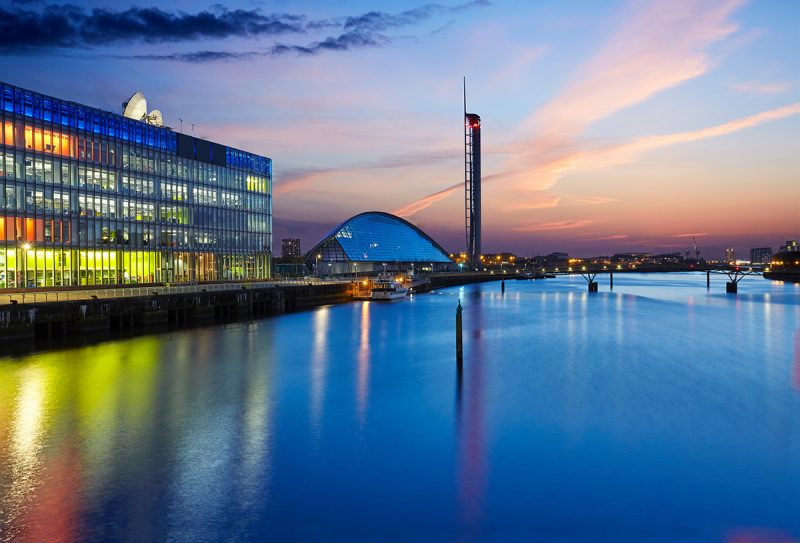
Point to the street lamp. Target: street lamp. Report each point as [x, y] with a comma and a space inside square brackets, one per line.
[316, 264]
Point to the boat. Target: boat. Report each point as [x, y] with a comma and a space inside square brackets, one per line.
[387, 289]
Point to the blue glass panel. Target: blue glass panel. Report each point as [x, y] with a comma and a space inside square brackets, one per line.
[19, 102]
[28, 104]
[48, 109]
[80, 116]
[375, 237]
[8, 99]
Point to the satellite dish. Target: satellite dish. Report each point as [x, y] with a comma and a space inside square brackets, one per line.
[155, 118]
[135, 107]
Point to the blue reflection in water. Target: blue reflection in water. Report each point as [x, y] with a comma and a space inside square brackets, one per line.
[659, 411]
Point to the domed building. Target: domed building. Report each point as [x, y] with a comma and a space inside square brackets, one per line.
[376, 241]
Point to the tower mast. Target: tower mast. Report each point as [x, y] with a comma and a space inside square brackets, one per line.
[472, 184]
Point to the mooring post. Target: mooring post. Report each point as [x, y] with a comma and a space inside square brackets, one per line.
[708, 279]
[459, 350]
[502, 285]
[611, 280]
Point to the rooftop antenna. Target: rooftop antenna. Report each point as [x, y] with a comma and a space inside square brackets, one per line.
[181, 120]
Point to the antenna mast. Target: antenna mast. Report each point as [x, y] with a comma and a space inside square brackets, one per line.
[472, 183]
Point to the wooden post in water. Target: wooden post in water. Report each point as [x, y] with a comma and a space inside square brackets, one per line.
[502, 285]
[611, 279]
[708, 278]
[459, 349]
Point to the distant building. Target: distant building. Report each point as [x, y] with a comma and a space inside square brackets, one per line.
[556, 259]
[761, 255]
[730, 255]
[498, 260]
[630, 258]
[790, 247]
[667, 258]
[290, 249]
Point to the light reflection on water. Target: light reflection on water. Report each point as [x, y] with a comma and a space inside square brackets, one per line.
[660, 410]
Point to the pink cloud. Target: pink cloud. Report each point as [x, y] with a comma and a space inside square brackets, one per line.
[690, 235]
[594, 200]
[661, 44]
[762, 88]
[627, 152]
[553, 225]
[419, 205]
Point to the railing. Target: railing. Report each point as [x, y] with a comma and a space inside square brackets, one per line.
[132, 292]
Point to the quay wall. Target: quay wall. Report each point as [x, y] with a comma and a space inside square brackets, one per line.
[158, 311]
[152, 310]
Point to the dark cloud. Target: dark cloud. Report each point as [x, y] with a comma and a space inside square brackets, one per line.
[200, 56]
[379, 21]
[69, 26]
[344, 42]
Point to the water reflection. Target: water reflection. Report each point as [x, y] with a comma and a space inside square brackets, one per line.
[362, 387]
[796, 363]
[319, 365]
[588, 411]
[107, 435]
[471, 437]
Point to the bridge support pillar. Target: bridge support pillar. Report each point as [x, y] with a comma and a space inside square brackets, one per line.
[611, 280]
[593, 286]
[708, 278]
[459, 348]
[731, 288]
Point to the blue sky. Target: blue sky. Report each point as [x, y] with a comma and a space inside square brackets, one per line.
[607, 126]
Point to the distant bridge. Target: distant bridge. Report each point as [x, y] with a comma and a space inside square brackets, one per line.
[735, 273]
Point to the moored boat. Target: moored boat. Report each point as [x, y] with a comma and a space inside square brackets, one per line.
[388, 289]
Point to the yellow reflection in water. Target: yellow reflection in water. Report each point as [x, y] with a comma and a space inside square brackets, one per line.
[319, 363]
[26, 434]
[363, 363]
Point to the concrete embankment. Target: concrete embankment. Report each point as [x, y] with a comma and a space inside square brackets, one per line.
[158, 311]
[164, 308]
[787, 276]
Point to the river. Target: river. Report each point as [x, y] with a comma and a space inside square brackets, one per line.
[659, 411]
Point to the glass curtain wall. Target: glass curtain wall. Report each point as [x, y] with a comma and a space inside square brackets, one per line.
[92, 198]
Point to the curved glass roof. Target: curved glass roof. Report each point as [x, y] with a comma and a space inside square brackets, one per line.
[378, 237]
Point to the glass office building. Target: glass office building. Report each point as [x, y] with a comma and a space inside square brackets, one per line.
[94, 198]
[374, 241]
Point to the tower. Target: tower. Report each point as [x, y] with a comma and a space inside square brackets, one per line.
[472, 183]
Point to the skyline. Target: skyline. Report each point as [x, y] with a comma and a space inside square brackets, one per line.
[612, 127]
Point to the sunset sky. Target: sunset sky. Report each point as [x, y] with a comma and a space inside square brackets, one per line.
[607, 126]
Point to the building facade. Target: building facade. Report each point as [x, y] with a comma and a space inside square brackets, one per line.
[290, 249]
[90, 197]
[761, 255]
[730, 255]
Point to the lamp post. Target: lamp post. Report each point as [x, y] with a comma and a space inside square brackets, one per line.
[316, 265]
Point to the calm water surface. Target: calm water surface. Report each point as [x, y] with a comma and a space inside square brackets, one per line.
[656, 412]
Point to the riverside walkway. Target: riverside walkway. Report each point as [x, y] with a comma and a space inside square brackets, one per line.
[106, 293]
